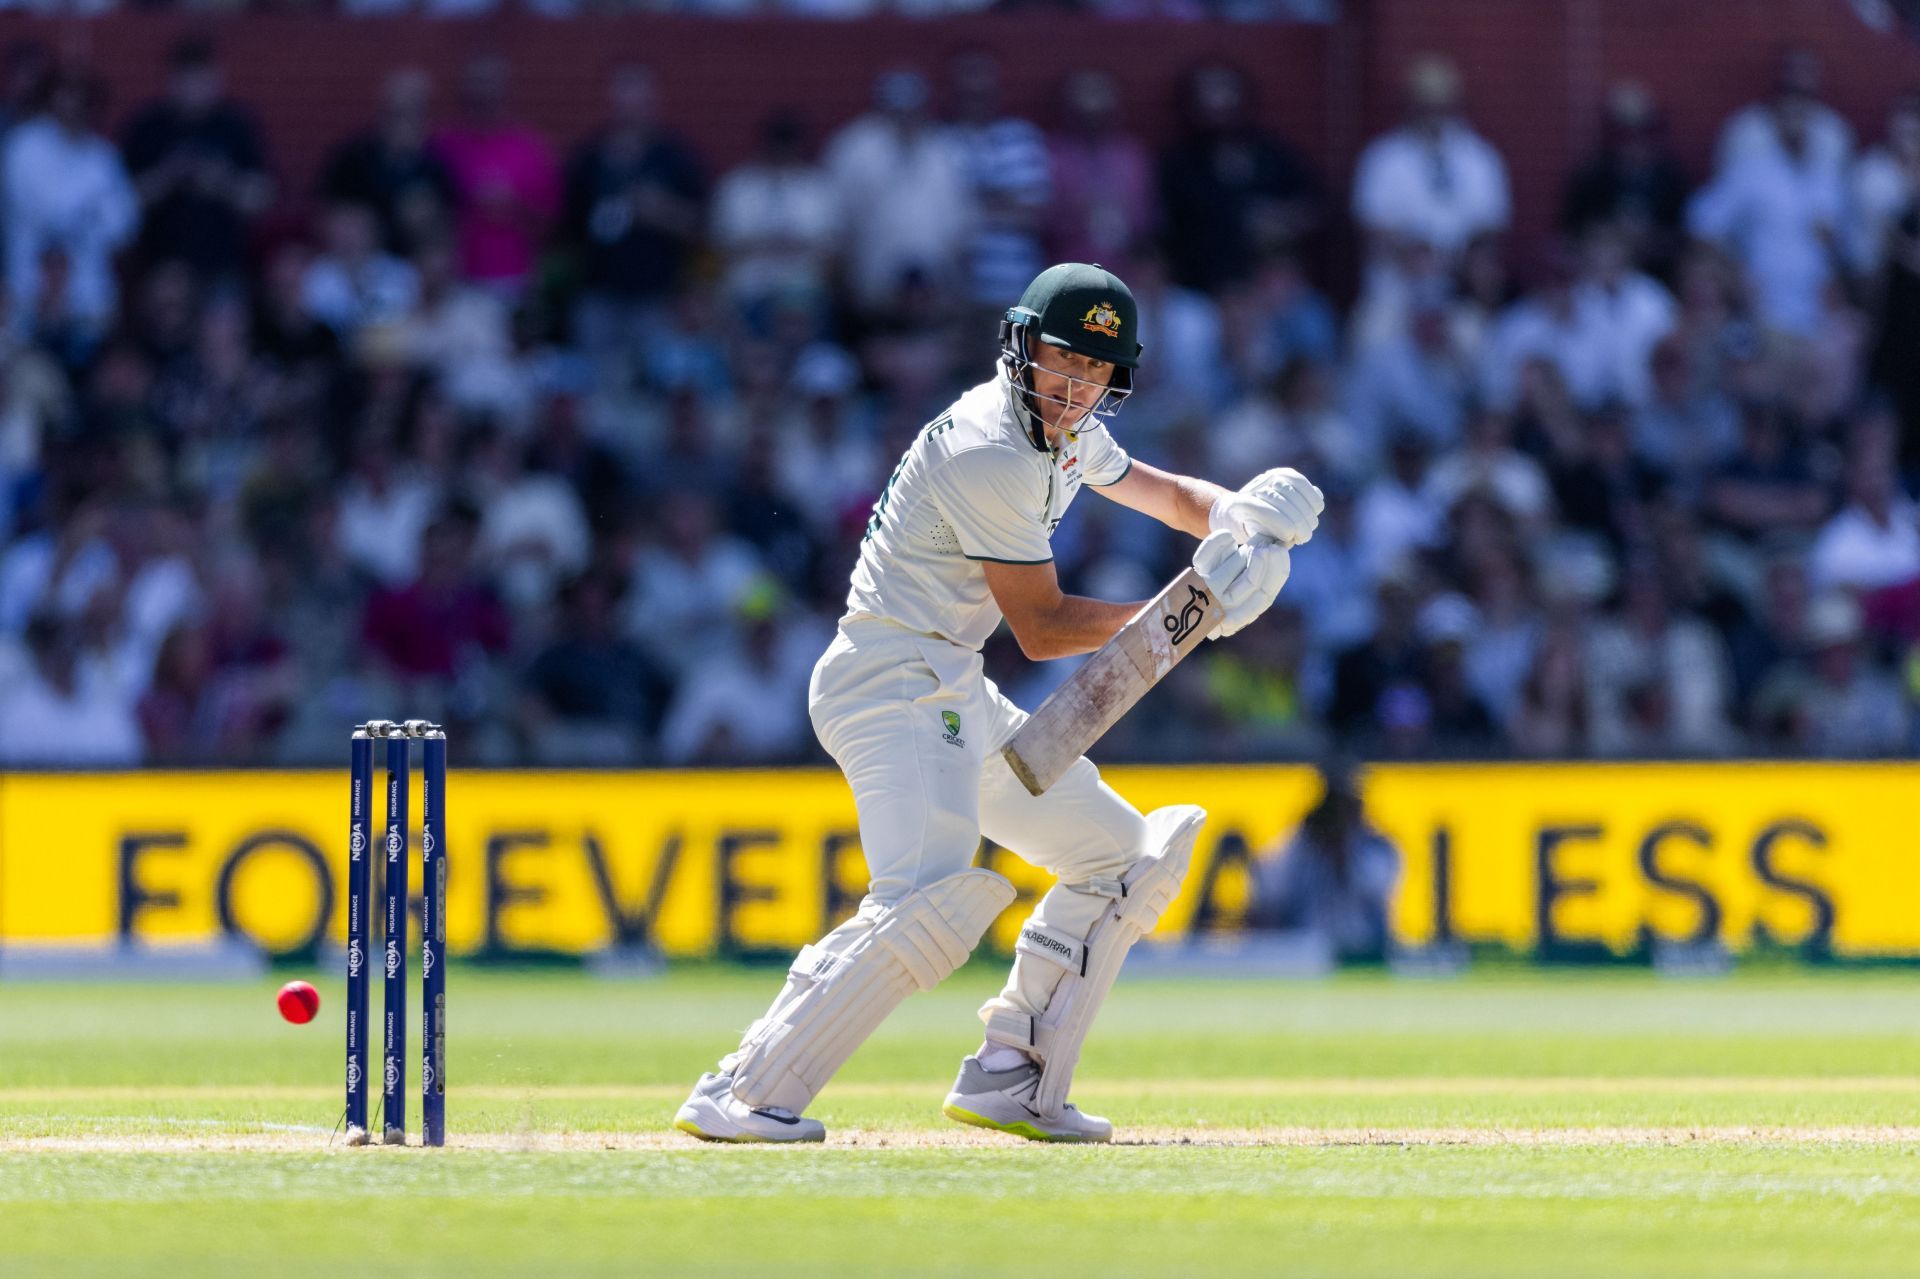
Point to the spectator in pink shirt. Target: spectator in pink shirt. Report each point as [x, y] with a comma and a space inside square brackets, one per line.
[1102, 177]
[506, 178]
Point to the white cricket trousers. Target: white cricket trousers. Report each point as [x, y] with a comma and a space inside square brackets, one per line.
[917, 728]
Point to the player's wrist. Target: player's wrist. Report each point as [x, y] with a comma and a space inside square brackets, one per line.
[1218, 520]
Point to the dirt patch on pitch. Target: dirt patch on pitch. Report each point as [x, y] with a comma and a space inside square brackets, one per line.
[282, 1142]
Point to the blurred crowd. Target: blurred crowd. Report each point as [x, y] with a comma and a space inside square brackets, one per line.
[570, 442]
[827, 10]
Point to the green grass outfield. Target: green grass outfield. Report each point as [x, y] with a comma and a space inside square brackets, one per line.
[1501, 1124]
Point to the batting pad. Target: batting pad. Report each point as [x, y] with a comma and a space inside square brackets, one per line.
[1075, 967]
[839, 999]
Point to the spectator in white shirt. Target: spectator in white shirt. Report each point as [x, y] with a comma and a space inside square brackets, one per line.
[1433, 179]
[354, 283]
[773, 222]
[1798, 79]
[63, 711]
[1011, 176]
[1413, 382]
[533, 529]
[459, 333]
[1634, 310]
[67, 194]
[903, 200]
[1778, 199]
[1394, 517]
[689, 582]
[1486, 462]
[738, 707]
[1873, 541]
[829, 469]
[384, 509]
[1884, 185]
[1559, 325]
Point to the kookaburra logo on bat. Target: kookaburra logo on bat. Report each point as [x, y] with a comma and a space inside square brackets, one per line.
[1181, 626]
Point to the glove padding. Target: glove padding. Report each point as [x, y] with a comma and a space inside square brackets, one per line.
[1245, 579]
[1281, 504]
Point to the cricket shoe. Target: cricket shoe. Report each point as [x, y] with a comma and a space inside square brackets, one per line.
[1003, 1101]
[713, 1113]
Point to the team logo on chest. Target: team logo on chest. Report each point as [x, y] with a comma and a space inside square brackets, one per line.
[950, 720]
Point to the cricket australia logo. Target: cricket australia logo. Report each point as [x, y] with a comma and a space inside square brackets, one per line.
[1102, 319]
[951, 719]
[1180, 626]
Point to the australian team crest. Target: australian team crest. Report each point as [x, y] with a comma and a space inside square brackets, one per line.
[1102, 319]
[951, 720]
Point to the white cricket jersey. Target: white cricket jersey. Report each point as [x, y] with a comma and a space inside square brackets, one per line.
[970, 487]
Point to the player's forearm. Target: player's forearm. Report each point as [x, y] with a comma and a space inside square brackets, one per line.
[1194, 504]
[1075, 624]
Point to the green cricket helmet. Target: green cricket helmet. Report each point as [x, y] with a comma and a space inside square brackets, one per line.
[1078, 307]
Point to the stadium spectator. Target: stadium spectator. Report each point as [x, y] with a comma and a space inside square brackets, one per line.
[353, 283]
[1685, 425]
[1334, 877]
[1416, 383]
[901, 194]
[1768, 484]
[1633, 185]
[65, 708]
[459, 334]
[733, 706]
[1778, 197]
[1230, 189]
[1657, 681]
[505, 178]
[1552, 720]
[1883, 186]
[1186, 325]
[774, 225]
[1838, 704]
[200, 167]
[1872, 542]
[1432, 181]
[689, 580]
[391, 169]
[1103, 196]
[68, 201]
[1772, 635]
[1007, 171]
[589, 695]
[634, 215]
[444, 624]
[1793, 109]
[533, 532]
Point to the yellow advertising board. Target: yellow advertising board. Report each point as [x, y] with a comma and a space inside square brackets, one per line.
[705, 863]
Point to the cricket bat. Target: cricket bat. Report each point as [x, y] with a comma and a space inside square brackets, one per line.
[1108, 684]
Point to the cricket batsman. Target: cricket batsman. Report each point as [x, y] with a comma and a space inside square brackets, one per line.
[959, 539]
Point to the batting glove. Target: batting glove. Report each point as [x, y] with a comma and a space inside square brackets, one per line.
[1245, 579]
[1281, 504]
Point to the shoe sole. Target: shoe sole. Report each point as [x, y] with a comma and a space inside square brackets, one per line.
[1021, 1129]
[693, 1129]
